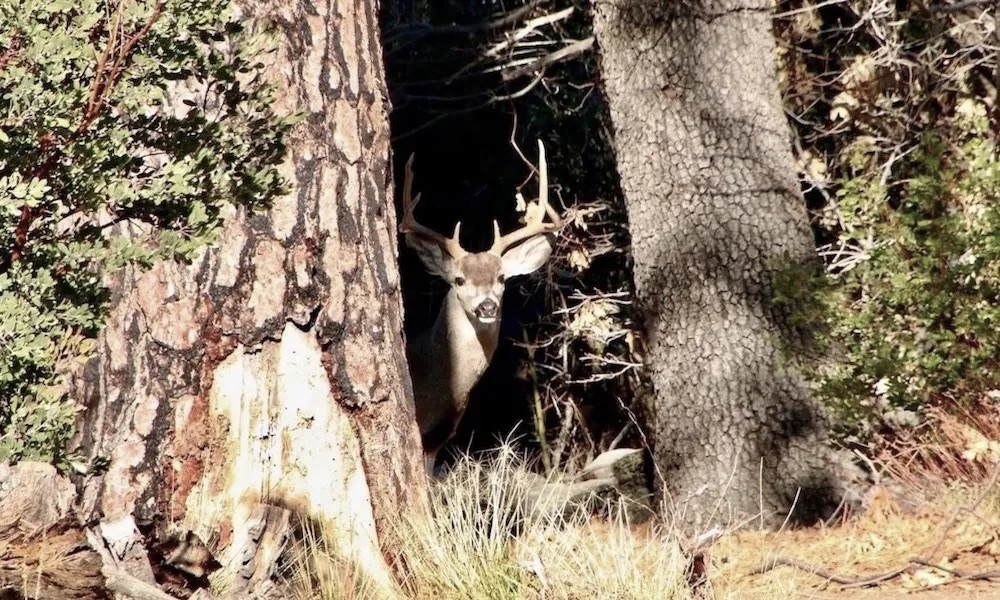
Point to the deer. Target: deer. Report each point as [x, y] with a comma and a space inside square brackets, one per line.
[447, 360]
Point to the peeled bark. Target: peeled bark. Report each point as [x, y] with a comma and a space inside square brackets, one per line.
[704, 157]
[267, 379]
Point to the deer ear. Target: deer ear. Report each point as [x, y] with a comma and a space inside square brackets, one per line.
[435, 259]
[527, 257]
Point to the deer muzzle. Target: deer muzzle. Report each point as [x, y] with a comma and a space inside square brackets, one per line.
[487, 310]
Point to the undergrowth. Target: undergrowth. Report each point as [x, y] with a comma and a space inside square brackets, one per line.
[899, 164]
[479, 543]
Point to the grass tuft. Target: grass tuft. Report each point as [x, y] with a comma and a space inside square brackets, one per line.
[481, 543]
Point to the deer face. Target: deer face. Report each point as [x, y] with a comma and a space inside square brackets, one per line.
[478, 278]
[479, 284]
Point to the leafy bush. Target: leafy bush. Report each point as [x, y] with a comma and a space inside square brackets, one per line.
[102, 166]
[890, 103]
[913, 313]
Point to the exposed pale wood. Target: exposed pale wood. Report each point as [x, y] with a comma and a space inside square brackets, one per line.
[270, 530]
[116, 578]
[126, 544]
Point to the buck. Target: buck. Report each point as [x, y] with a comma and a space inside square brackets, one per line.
[448, 359]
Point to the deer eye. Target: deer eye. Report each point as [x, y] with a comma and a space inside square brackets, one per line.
[460, 281]
[501, 278]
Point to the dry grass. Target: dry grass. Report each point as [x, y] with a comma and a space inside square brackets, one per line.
[316, 572]
[465, 550]
[478, 545]
[940, 504]
[607, 559]
[51, 563]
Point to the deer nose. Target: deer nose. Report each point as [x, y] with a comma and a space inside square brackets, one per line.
[487, 309]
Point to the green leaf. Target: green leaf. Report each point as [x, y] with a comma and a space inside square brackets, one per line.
[170, 172]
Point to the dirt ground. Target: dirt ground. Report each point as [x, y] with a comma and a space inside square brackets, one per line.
[944, 544]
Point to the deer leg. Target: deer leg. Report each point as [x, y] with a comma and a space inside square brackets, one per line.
[429, 459]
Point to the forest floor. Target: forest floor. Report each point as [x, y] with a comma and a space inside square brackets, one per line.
[933, 543]
[929, 545]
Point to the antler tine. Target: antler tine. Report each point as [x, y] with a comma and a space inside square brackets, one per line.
[543, 187]
[534, 216]
[411, 226]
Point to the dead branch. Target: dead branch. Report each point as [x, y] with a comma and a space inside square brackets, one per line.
[421, 29]
[954, 572]
[512, 39]
[947, 8]
[540, 64]
[829, 575]
[857, 582]
[912, 564]
[117, 580]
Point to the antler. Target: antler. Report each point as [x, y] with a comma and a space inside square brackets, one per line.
[410, 224]
[534, 216]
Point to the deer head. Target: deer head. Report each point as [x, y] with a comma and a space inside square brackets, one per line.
[478, 278]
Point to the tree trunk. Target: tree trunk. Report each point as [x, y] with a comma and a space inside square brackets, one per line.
[267, 380]
[705, 163]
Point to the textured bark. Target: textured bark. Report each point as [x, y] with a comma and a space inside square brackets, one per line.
[271, 372]
[704, 157]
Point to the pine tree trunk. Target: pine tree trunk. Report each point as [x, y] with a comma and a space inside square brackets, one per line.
[270, 373]
[704, 157]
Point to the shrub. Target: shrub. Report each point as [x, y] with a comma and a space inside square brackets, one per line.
[913, 313]
[898, 166]
[93, 140]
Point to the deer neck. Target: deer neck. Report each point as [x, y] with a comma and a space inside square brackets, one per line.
[446, 362]
[470, 345]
